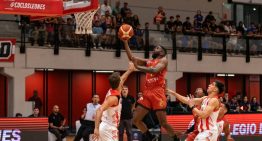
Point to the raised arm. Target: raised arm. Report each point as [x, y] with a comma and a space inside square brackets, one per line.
[124, 76]
[212, 105]
[110, 101]
[140, 61]
[183, 99]
[159, 67]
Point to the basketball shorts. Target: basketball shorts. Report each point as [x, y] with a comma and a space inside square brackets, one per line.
[153, 99]
[108, 132]
[207, 135]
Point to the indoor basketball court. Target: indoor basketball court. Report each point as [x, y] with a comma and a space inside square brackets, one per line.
[191, 70]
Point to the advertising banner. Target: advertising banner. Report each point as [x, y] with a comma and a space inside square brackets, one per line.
[23, 129]
[240, 124]
[32, 7]
[7, 50]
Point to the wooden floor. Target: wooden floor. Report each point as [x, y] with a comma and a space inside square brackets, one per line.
[71, 138]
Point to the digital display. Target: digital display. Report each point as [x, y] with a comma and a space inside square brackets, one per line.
[23, 129]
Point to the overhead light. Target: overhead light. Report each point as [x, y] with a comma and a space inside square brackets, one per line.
[223, 75]
[102, 71]
[44, 69]
[254, 9]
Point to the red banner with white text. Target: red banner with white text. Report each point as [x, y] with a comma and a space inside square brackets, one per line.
[72, 6]
[7, 50]
[32, 7]
[240, 124]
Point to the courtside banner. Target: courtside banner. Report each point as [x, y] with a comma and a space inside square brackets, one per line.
[7, 50]
[240, 124]
[32, 7]
[23, 129]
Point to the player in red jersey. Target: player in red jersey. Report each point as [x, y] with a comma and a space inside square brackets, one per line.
[154, 93]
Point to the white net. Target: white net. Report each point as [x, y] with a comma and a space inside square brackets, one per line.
[84, 22]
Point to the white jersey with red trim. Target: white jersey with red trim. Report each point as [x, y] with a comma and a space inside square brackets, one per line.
[111, 116]
[220, 126]
[209, 123]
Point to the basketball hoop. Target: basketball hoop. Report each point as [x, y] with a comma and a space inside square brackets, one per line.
[84, 22]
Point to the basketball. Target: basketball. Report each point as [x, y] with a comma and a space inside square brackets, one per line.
[125, 32]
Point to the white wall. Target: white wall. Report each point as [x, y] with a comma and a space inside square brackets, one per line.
[75, 59]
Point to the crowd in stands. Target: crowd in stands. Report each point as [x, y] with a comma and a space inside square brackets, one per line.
[107, 21]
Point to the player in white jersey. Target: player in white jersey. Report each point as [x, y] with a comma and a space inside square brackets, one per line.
[108, 115]
[222, 123]
[208, 112]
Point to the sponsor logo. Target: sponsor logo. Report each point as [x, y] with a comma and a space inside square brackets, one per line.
[23, 5]
[10, 135]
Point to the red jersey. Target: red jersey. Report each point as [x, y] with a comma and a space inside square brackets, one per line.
[155, 79]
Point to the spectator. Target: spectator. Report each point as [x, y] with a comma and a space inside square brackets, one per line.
[105, 7]
[139, 36]
[88, 120]
[199, 93]
[170, 24]
[50, 31]
[198, 18]
[57, 124]
[97, 34]
[42, 33]
[209, 17]
[187, 26]
[18, 115]
[233, 104]
[35, 113]
[213, 25]
[36, 99]
[160, 17]
[238, 97]
[177, 22]
[241, 27]
[139, 95]
[254, 104]
[226, 98]
[245, 105]
[136, 21]
[228, 27]
[124, 10]
[128, 19]
[116, 9]
[128, 105]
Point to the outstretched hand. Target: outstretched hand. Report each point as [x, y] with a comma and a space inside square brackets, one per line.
[131, 66]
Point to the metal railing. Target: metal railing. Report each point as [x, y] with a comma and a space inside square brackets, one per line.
[62, 35]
